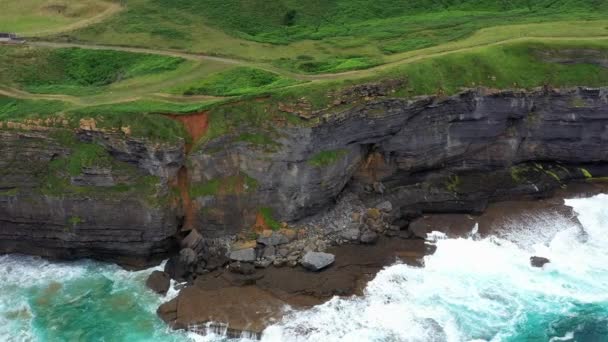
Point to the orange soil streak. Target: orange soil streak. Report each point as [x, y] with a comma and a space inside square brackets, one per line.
[196, 125]
[260, 224]
[189, 207]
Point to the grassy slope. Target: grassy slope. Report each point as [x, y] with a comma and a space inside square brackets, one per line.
[75, 71]
[323, 35]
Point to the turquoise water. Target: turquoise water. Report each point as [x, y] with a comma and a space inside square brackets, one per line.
[84, 301]
[470, 290]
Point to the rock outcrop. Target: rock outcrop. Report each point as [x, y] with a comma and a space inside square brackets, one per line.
[109, 196]
[89, 195]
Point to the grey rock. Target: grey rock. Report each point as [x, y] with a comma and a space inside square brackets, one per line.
[418, 229]
[539, 262]
[264, 263]
[159, 282]
[192, 240]
[246, 255]
[369, 237]
[269, 251]
[316, 261]
[385, 206]
[274, 240]
[188, 256]
[351, 234]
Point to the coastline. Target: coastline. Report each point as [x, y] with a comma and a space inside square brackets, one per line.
[250, 302]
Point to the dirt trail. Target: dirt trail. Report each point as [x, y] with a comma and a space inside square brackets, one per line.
[200, 57]
[112, 9]
[19, 94]
[305, 77]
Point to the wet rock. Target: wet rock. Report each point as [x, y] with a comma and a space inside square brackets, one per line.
[246, 255]
[176, 269]
[418, 229]
[168, 311]
[369, 237]
[316, 261]
[159, 282]
[242, 268]
[536, 261]
[187, 256]
[385, 206]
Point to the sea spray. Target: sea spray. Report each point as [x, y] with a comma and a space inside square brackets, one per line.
[481, 289]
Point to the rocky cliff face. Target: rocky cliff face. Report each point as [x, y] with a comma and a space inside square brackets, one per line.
[87, 195]
[430, 154]
[427, 154]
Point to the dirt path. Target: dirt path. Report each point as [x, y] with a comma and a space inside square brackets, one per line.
[112, 9]
[201, 57]
[305, 77]
[19, 94]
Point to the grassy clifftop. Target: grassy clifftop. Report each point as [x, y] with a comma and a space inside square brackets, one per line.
[128, 62]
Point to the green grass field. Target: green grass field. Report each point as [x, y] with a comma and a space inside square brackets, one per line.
[43, 17]
[218, 56]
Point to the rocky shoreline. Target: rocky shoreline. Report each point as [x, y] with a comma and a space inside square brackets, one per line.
[246, 299]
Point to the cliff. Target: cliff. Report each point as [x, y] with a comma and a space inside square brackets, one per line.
[113, 197]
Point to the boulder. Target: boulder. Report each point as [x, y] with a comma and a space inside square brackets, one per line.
[269, 251]
[369, 237]
[316, 261]
[159, 282]
[385, 206]
[168, 311]
[176, 269]
[536, 261]
[274, 239]
[418, 229]
[245, 255]
[188, 256]
[192, 240]
[351, 234]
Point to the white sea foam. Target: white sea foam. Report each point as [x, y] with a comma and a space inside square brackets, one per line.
[472, 289]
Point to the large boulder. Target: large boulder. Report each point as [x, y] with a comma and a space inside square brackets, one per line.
[159, 282]
[176, 269]
[245, 255]
[316, 261]
[369, 237]
[193, 240]
[539, 262]
[274, 239]
[188, 256]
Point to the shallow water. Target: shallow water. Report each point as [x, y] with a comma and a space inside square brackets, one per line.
[470, 290]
